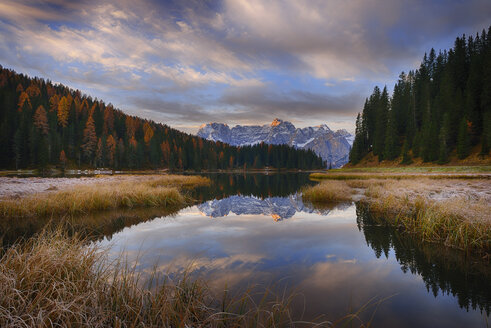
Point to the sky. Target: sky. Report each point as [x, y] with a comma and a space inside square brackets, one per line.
[189, 62]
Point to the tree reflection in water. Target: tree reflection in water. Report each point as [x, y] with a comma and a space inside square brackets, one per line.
[442, 269]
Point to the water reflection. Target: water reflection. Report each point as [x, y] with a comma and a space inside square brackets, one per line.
[278, 208]
[443, 270]
[320, 252]
[337, 257]
[256, 184]
[94, 226]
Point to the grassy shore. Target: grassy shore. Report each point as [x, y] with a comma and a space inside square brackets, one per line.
[128, 192]
[54, 280]
[418, 169]
[456, 213]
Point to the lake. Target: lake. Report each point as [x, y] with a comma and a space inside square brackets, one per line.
[255, 230]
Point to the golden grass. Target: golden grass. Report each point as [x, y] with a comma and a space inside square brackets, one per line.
[138, 191]
[327, 191]
[456, 213]
[458, 222]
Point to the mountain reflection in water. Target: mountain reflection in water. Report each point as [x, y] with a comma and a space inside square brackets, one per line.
[278, 208]
[337, 258]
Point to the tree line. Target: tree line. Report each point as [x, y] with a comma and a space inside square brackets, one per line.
[440, 108]
[45, 124]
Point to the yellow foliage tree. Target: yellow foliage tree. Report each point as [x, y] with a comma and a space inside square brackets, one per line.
[24, 102]
[63, 111]
[148, 132]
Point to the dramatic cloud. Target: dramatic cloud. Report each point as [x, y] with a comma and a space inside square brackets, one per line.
[235, 61]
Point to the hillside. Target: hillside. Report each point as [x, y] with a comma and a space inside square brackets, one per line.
[42, 124]
[439, 113]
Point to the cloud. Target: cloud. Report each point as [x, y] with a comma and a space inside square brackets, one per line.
[239, 61]
[296, 105]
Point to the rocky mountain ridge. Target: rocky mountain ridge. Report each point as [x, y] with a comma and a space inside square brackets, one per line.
[332, 146]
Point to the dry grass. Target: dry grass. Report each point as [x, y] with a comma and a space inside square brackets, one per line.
[457, 221]
[55, 280]
[456, 213]
[142, 191]
[342, 175]
[328, 191]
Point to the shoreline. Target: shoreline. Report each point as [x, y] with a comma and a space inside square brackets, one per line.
[455, 212]
[81, 196]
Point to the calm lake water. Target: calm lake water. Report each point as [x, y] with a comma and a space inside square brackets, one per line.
[254, 229]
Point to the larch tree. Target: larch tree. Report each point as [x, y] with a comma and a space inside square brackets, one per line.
[89, 139]
[41, 120]
[53, 103]
[63, 111]
[148, 133]
[63, 158]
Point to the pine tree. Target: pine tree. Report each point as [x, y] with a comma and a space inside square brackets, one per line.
[111, 150]
[406, 158]
[463, 142]
[391, 141]
[382, 111]
[100, 153]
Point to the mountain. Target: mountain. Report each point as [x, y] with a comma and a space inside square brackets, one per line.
[332, 146]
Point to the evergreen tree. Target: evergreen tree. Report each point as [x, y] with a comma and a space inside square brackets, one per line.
[463, 143]
[406, 158]
[427, 107]
[391, 140]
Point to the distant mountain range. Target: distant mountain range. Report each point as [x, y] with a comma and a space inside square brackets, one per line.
[332, 146]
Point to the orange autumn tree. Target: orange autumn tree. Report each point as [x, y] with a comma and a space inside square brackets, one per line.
[148, 133]
[24, 102]
[63, 111]
[53, 103]
[63, 158]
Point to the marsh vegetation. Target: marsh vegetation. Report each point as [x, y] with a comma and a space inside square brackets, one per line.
[451, 209]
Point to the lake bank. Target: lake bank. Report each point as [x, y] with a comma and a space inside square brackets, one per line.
[31, 197]
[453, 209]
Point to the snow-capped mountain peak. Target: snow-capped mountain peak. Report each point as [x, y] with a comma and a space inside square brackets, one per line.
[332, 146]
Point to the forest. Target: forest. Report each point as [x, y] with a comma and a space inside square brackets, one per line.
[441, 109]
[50, 125]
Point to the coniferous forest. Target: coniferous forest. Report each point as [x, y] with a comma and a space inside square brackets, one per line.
[441, 108]
[45, 125]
